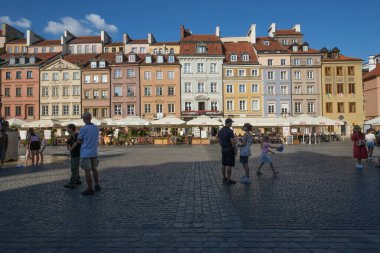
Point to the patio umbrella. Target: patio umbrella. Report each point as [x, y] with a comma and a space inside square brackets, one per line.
[305, 120]
[168, 121]
[323, 121]
[109, 122]
[203, 121]
[80, 123]
[374, 121]
[15, 122]
[132, 121]
[41, 123]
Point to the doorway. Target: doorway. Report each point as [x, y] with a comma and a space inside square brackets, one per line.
[201, 106]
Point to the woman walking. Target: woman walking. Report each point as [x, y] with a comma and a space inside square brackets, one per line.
[359, 149]
[34, 146]
[370, 139]
[245, 151]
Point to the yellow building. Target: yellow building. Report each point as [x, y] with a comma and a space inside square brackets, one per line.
[242, 86]
[164, 48]
[342, 89]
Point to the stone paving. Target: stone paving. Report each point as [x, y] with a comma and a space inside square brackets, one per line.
[171, 199]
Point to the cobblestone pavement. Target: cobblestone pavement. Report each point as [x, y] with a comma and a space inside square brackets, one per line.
[171, 199]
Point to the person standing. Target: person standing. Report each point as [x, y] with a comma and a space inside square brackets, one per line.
[3, 146]
[227, 142]
[40, 152]
[359, 149]
[34, 146]
[74, 147]
[245, 151]
[88, 138]
[370, 139]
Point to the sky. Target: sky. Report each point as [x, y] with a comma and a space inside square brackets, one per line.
[352, 26]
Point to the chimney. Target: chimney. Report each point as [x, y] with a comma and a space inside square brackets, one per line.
[151, 38]
[182, 32]
[272, 30]
[371, 63]
[252, 34]
[297, 27]
[217, 31]
[126, 38]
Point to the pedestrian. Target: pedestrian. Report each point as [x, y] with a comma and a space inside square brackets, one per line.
[3, 146]
[34, 145]
[40, 152]
[265, 157]
[245, 151]
[74, 147]
[370, 139]
[359, 149]
[88, 138]
[226, 139]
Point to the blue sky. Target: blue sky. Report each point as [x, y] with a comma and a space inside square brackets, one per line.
[352, 26]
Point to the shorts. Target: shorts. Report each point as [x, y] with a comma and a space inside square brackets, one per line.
[89, 163]
[370, 144]
[265, 158]
[2, 153]
[228, 158]
[243, 159]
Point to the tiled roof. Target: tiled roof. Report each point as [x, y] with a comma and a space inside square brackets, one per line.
[202, 37]
[341, 58]
[287, 32]
[79, 59]
[239, 48]
[115, 44]
[165, 43]
[274, 45]
[47, 43]
[372, 74]
[143, 41]
[40, 58]
[85, 39]
[188, 45]
[17, 41]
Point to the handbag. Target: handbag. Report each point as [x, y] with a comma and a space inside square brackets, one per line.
[360, 143]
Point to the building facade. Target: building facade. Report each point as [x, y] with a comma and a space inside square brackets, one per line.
[371, 90]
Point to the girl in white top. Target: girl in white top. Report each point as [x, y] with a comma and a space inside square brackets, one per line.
[245, 151]
[370, 139]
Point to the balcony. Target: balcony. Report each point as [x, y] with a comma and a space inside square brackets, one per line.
[211, 113]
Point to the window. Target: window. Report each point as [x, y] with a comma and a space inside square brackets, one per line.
[284, 90]
[310, 74]
[352, 107]
[104, 94]
[131, 73]
[283, 75]
[214, 106]
[55, 91]
[242, 105]
[96, 79]
[147, 108]
[255, 105]
[284, 108]
[201, 49]
[270, 75]
[45, 110]
[296, 62]
[255, 88]
[310, 107]
[305, 48]
[86, 94]
[148, 59]
[75, 109]
[266, 42]
[201, 87]
[71, 50]
[283, 62]
[170, 91]
[270, 90]
[297, 90]
[134, 50]
[8, 75]
[241, 88]
[254, 72]
[18, 75]
[170, 74]
[65, 110]
[171, 108]
[233, 57]
[104, 112]
[229, 105]
[117, 109]
[297, 107]
[327, 71]
[213, 86]
[65, 91]
[187, 106]
[229, 88]
[35, 50]
[200, 68]
[310, 89]
[213, 68]
[147, 91]
[329, 107]
[158, 108]
[45, 77]
[7, 111]
[117, 91]
[340, 107]
[76, 90]
[7, 92]
[171, 58]
[65, 76]
[187, 87]
[328, 88]
[187, 68]
[29, 92]
[18, 110]
[147, 75]
[130, 109]
[350, 71]
[117, 73]
[18, 92]
[29, 75]
[159, 91]
[351, 88]
[339, 88]
[24, 49]
[285, 42]
[55, 77]
[245, 57]
[45, 91]
[119, 58]
[241, 72]
[159, 75]
[95, 112]
[130, 91]
[86, 49]
[297, 75]
[104, 78]
[270, 62]
[271, 109]
[55, 109]
[309, 61]
[339, 71]
[87, 78]
[229, 72]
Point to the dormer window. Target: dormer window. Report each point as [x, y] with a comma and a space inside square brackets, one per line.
[12, 61]
[285, 42]
[160, 59]
[171, 59]
[132, 58]
[119, 58]
[32, 60]
[148, 59]
[233, 57]
[155, 51]
[294, 41]
[201, 49]
[22, 60]
[266, 42]
[161, 51]
[171, 50]
[305, 48]
[295, 48]
[245, 57]
[102, 64]
[94, 64]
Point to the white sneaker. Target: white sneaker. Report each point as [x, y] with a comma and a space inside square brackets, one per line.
[359, 166]
[245, 179]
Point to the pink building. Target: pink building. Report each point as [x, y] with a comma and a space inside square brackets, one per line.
[371, 90]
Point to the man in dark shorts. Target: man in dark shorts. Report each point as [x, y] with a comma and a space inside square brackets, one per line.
[227, 142]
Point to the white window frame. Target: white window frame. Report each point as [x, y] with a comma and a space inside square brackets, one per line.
[271, 90]
[230, 105]
[229, 88]
[242, 88]
[271, 108]
[255, 104]
[254, 88]
[270, 75]
[310, 107]
[242, 105]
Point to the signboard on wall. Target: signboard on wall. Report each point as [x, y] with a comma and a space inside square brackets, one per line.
[23, 134]
[47, 134]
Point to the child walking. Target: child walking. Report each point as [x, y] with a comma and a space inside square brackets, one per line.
[264, 157]
[245, 151]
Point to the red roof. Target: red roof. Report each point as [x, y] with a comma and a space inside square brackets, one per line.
[47, 43]
[79, 59]
[143, 41]
[287, 32]
[115, 44]
[273, 45]
[166, 43]
[342, 58]
[86, 39]
[239, 48]
[40, 58]
[17, 41]
[373, 73]
[188, 45]
[202, 37]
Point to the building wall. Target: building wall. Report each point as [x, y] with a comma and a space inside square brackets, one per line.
[16, 48]
[249, 95]
[61, 100]
[49, 49]
[165, 99]
[164, 49]
[129, 47]
[371, 98]
[23, 102]
[99, 48]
